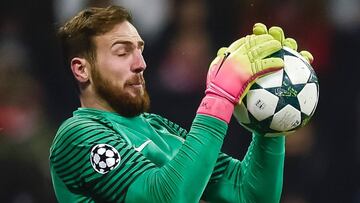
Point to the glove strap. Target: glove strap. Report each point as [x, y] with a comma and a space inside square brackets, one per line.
[216, 106]
[214, 89]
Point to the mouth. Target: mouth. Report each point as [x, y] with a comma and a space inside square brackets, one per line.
[137, 86]
[136, 83]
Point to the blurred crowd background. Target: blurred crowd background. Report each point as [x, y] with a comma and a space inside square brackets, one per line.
[182, 36]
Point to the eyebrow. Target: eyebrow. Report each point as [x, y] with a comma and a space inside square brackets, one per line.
[126, 42]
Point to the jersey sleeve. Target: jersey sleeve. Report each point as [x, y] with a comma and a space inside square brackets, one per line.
[73, 164]
[160, 122]
[257, 178]
[134, 178]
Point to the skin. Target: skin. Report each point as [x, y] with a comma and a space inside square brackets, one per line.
[119, 60]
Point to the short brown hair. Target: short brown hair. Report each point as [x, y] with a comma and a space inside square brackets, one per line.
[76, 34]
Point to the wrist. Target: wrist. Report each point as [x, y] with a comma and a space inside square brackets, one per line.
[216, 106]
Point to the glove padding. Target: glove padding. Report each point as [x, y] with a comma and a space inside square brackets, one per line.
[278, 34]
[235, 68]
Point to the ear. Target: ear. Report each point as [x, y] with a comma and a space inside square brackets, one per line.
[80, 69]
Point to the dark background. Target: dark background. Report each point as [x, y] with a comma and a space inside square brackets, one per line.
[37, 92]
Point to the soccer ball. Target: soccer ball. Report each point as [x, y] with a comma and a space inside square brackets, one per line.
[104, 158]
[283, 101]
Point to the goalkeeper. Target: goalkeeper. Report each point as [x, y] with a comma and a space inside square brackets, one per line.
[111, 150]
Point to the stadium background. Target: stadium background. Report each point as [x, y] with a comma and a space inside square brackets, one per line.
[182, 36]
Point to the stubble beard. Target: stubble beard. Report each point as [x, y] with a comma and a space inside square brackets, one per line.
[121, 101]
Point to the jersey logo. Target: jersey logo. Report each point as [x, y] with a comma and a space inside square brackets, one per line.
[142, 146]
[104, 158]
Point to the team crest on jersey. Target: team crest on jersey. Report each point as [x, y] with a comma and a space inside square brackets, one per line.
[104, 158]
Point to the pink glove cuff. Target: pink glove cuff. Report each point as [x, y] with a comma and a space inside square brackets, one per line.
[217, 107]
[214, 89]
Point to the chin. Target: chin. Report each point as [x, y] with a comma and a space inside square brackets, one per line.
[136, 92]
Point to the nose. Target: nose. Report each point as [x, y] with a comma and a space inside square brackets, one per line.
[139, 64]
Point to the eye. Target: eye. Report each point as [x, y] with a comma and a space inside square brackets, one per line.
[122, 54]
[119, 50]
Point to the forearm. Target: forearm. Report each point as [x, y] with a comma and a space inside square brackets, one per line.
[258, 178]
[263, 169]
[185, 177]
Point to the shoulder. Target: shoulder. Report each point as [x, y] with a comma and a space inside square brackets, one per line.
[158, 121]
[81, 130]
[153, 117]
[81, 124]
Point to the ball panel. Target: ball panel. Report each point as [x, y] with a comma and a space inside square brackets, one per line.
[313, 78]
[287, 93]
[291, 52]
[241, 113]
[308, 98]
[261, 103]
[259, 127]
[286, 119]
[271, 80]
[296, 69]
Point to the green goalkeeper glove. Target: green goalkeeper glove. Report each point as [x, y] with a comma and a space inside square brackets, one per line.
[279, 35]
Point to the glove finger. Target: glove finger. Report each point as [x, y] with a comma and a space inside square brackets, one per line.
[291, 43]
[263, 67]
[219, 56]
[255, 44]
[273, 62]
[308, 56]
[259, 29]
[263, 50]
[277, 33]
[216, 60]
[249, 41]
[221, 51]
[235, 45]
[252, 41]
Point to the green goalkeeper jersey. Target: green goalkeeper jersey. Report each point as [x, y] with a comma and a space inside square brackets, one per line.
[99, 156]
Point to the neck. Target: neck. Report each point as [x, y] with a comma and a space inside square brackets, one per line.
[92, 100]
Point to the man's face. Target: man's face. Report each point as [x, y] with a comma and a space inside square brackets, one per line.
[117, 75]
